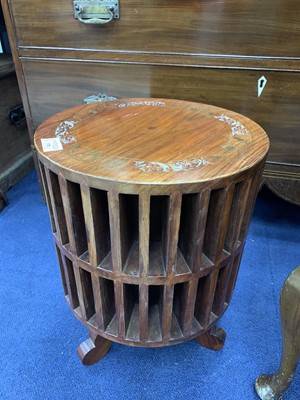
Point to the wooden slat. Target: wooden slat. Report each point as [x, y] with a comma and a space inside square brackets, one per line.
[58, 213]
[223, 223]
[71, 282]
[188, 306]
[217, 218]
[98, 301]
[119, 301]
[233, 276]
[89, 222]
[144, 232]
[167, 310]
[250, 204]
[172, 233]
[80, 292]
[48, 198]
[62, 271]
[68, 213]
[115, 234]
[204, 304]
[238, 209]
[221, 289]
[143, 311]
[198, 239]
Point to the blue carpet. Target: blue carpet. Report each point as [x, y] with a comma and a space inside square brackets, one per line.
[39, 334]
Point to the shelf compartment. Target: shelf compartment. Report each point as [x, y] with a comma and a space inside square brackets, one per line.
[96, 215]
[73, 207]
[129, 224]
[156, 304]
[87, 302]
[216, 222]
[131, 267]
[156, 260]
[71, 283]
[61, 268]
[106, 310]
[238, 208]
[131, 311]
[233, 275]
[219, 304]
[194, 211]
[205, 297]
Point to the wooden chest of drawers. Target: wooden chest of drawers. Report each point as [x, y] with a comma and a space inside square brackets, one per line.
[217, 52]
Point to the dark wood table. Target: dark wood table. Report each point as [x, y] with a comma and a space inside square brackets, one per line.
[150, 202]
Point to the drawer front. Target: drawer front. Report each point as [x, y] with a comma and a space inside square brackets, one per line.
[55, 85]
[231, 27]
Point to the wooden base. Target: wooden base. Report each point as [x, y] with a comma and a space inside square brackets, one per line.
[213, 339]
[93, 349]
[272, 387]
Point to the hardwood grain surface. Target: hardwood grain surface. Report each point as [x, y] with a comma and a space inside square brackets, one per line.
[153, 140]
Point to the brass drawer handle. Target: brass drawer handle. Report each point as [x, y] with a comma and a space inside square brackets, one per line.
[96, 12]
[105, 19]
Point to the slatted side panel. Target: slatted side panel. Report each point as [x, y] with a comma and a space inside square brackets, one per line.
[149, 236]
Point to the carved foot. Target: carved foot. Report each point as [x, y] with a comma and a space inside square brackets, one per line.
[272, 387]
[213, 339]
[93, 349]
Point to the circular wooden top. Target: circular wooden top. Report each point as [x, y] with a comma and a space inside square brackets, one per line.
[151, 141]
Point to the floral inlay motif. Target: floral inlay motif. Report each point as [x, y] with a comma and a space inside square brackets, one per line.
[236, 127]
[142, 103]
[181, 165]
[63, 132]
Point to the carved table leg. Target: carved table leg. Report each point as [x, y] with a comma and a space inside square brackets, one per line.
[273, 386]
[93, 349]
[213, 339]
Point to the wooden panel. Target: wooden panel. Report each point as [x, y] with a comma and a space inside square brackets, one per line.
[53, 86]
[15, 151]
[227, 27]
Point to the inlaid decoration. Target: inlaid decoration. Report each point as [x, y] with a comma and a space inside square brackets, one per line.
[142, 103]
[236, 127]
[180, 165]
[63, 132]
